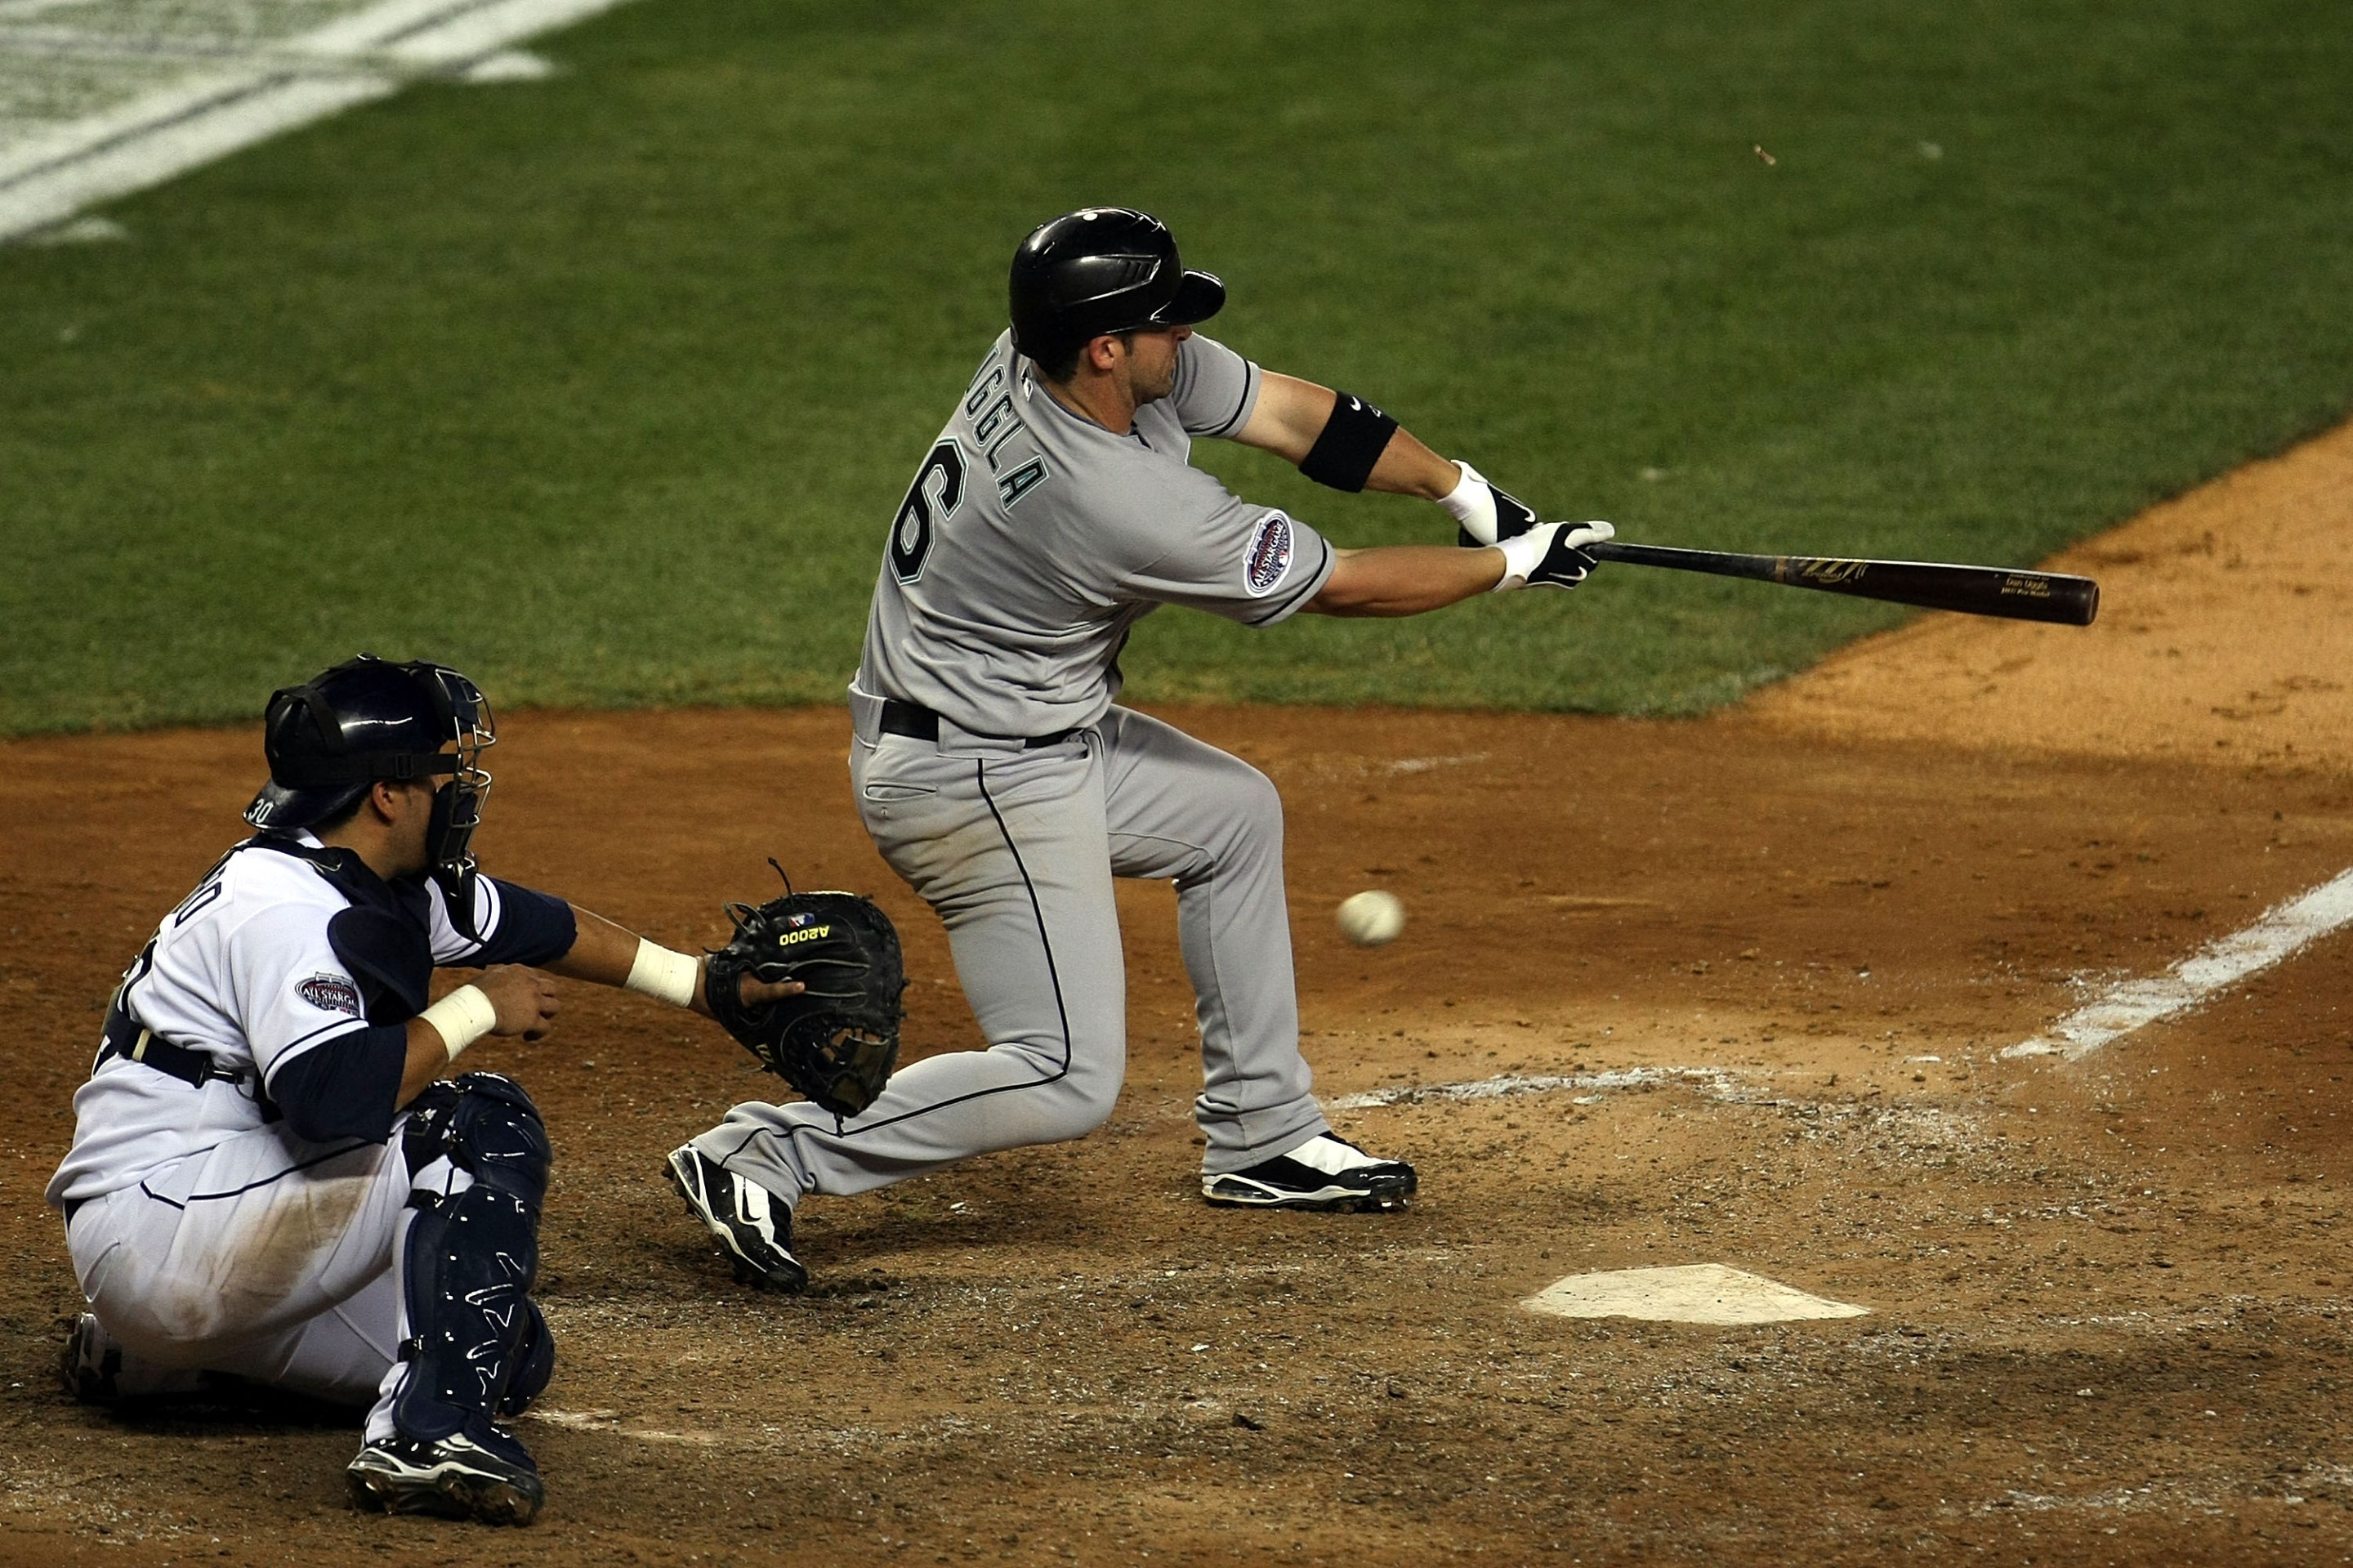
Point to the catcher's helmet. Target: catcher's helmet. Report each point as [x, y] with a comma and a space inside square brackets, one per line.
[366, 719]
[1099, 269]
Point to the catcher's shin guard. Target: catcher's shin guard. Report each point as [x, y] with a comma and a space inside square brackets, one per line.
[487, 1126]
[476, 1344]
[534, 1361]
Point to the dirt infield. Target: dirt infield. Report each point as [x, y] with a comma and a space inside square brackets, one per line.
[1781, 949]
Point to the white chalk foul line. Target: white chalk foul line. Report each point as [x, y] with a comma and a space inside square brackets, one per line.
[1715, 1080]
[2123, 1008]
[609, 1422]
[2132, 1003]
[250, 96]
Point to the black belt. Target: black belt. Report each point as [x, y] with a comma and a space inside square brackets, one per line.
[922, 723]
[127, 1038]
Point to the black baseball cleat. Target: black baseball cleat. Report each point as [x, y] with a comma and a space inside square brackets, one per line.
[95, 1371]
[755, 1228]
[476, 1473]
[1327, 1172]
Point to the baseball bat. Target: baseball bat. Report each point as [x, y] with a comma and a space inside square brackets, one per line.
[1973, 590]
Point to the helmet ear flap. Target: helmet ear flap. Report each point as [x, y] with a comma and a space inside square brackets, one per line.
[299, 723]
[301, 727]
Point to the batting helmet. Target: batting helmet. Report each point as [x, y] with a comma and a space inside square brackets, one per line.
[1100, 270]
[369, 719]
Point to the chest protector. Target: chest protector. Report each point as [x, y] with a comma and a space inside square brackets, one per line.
[385, 939]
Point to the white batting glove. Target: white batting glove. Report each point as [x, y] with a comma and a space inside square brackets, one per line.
[1551, 554]
[1484, 514]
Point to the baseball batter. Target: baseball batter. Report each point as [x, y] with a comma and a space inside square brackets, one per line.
[268, 1178]
[995, 773]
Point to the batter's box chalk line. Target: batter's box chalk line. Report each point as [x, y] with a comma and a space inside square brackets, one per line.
[1690, 1293]
[609, 1422]
[2129, 1004]
[1716, 1081]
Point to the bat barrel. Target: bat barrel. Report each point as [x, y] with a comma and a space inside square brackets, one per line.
[2052, 596]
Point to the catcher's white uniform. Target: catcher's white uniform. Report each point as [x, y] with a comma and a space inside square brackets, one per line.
[236, 1183]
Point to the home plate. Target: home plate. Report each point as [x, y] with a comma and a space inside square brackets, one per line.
[1695, 1293]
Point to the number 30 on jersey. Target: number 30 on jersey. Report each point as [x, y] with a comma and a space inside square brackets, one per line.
[930, 501]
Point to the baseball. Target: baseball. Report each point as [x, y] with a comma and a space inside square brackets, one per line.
[1371, 917]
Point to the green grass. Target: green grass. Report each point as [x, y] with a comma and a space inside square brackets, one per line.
[604, 387]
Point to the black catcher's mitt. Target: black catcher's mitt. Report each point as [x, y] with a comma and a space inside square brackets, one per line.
[837, 1042]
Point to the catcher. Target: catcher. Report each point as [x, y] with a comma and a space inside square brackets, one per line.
[271, 1177]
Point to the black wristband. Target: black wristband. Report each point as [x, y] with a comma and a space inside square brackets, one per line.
[1353, 441]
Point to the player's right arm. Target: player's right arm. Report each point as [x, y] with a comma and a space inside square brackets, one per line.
[1405, 579]
[522, 1003]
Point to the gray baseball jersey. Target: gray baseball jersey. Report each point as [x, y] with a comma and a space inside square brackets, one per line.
[1033, 539]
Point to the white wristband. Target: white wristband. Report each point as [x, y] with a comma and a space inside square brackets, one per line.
[462, 1017]
[658, 971]
[1472, 503]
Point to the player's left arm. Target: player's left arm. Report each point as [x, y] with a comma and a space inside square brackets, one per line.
[1339, 439]
[1345, 442]
[1291, 417]
[612, 955]
[520, 924]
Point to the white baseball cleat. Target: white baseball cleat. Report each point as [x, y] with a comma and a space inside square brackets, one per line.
[1326, 1172]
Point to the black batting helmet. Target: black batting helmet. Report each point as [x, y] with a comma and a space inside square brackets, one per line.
[369, 719]
[1099, 269]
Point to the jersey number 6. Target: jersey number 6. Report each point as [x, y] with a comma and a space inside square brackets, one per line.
[930, 501]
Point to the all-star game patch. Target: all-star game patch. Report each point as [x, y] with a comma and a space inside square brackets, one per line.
[330, 993]
[1268, 561]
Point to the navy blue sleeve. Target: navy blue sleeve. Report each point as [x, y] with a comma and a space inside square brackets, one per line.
[345, 1087]
[531, 928]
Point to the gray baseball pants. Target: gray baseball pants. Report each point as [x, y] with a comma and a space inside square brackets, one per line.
[1016, 850]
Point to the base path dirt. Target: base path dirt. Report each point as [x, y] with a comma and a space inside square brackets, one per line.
[2225, 634]
[1749, 976]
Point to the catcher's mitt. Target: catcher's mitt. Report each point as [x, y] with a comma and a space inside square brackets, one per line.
[838, 1040]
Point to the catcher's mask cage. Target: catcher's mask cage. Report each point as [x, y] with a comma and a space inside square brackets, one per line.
[370, 719]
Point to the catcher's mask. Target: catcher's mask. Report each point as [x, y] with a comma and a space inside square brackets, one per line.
[369, 719]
